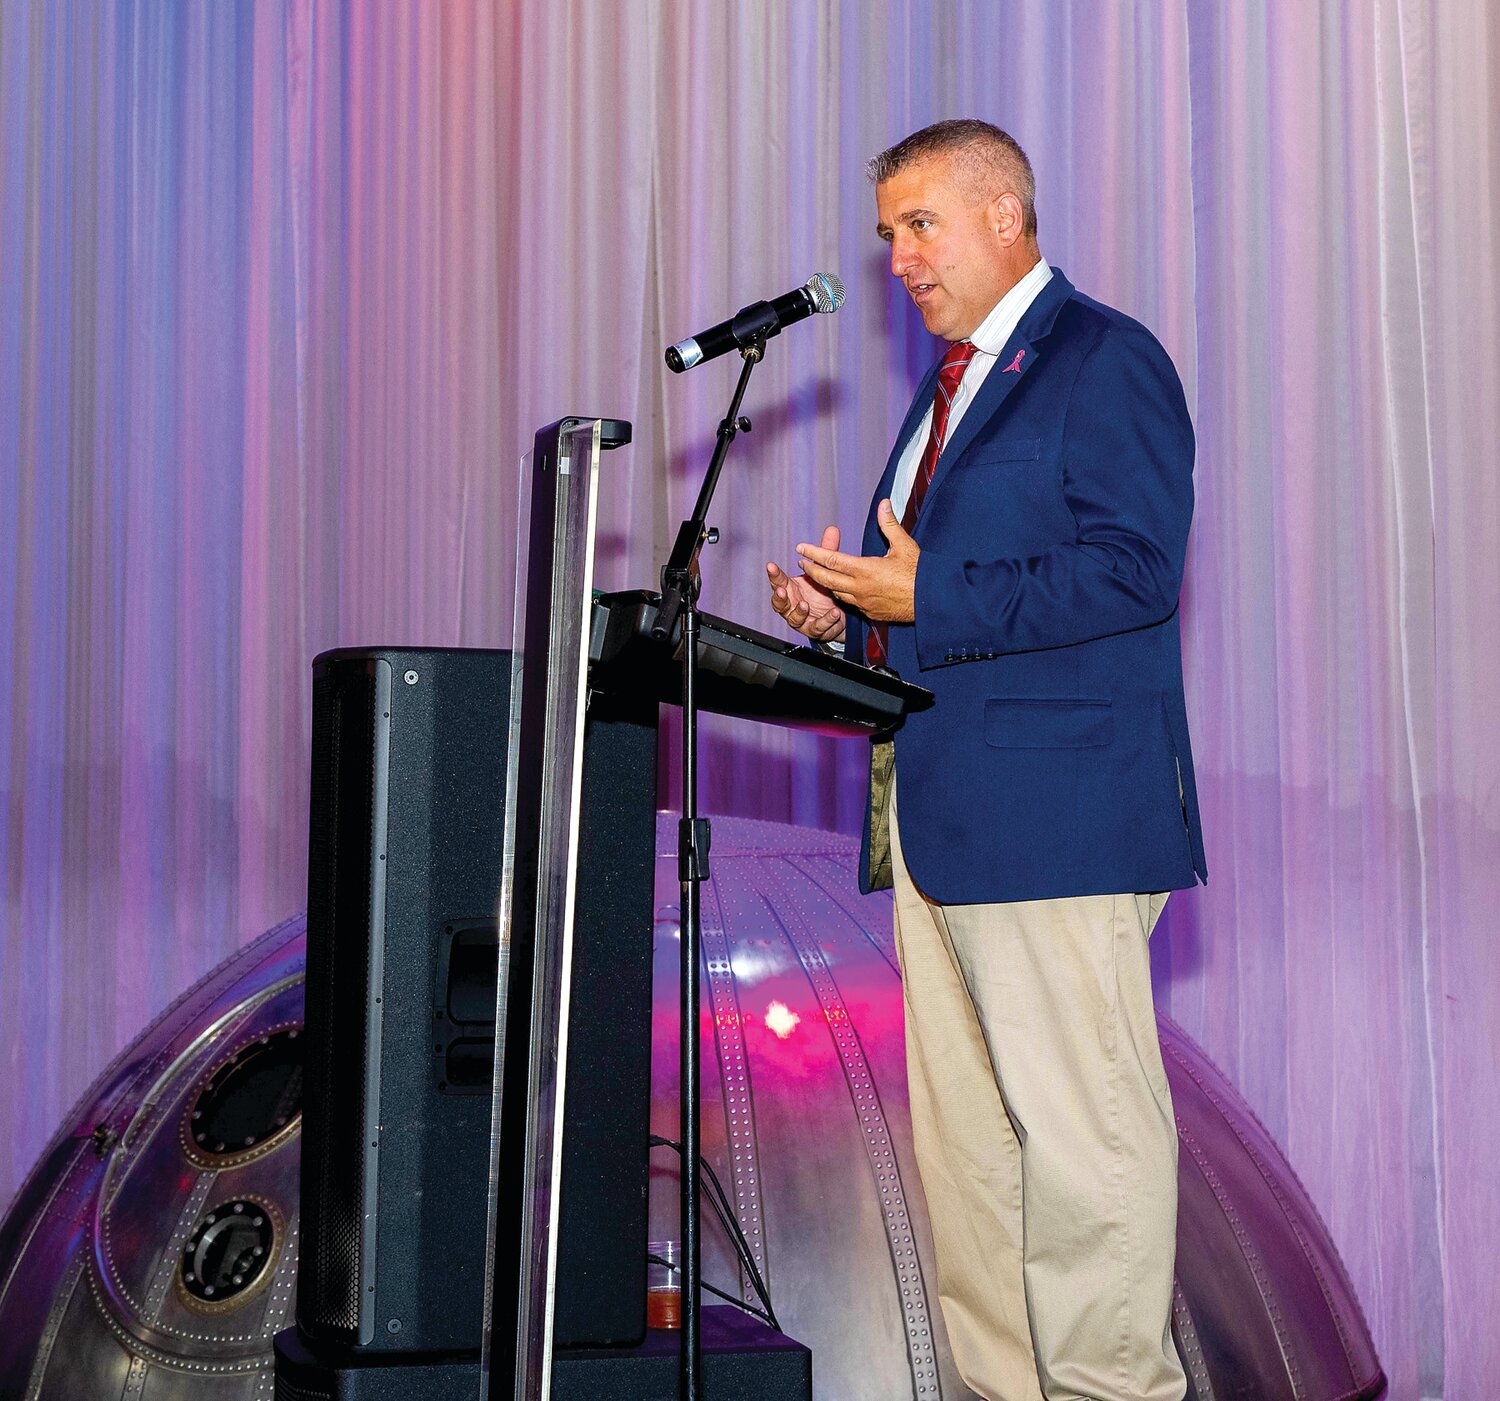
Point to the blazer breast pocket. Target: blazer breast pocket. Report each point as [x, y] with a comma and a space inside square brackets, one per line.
[1012, 450]
[1038, 722]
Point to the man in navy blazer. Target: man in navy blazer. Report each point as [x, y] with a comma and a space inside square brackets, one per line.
[1022, 559]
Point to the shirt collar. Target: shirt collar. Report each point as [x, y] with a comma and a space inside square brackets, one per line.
[991, 334]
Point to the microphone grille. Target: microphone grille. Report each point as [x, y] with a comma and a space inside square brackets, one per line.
[826, 290]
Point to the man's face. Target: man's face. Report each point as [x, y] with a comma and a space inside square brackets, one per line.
[944, 246]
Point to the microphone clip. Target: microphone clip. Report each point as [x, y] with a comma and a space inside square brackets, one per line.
[752, 327]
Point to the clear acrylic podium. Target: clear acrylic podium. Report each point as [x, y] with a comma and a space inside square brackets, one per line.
[570, 649]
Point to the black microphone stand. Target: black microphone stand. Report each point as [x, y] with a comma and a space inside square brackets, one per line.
[681, 581]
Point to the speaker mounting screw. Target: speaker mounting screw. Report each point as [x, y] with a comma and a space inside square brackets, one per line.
[411, 680]
[394, 1326]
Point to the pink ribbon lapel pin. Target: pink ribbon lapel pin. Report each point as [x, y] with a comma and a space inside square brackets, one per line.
[1015, 365]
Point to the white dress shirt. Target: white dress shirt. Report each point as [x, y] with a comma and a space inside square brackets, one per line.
[989, 340]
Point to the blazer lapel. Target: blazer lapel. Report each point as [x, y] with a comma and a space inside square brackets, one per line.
[1016, 361]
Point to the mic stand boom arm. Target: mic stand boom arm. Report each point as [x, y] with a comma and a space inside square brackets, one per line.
[681, 580]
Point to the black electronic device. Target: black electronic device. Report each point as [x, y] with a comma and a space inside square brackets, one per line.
[744, 1361]
[407, 815]
[758, 322]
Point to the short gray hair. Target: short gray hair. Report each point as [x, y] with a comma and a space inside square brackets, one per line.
[991, 160]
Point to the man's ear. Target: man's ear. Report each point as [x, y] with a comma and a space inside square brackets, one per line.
[1007, 218]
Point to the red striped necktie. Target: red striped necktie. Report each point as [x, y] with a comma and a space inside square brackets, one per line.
[955, 362]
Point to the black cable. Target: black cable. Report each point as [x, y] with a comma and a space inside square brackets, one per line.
[727, 1219]
[731, 1225]
[718, 1199]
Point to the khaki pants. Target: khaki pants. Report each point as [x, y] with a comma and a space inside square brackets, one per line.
[1045, 1139]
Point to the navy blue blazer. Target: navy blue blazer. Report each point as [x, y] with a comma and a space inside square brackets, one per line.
[1055, 760]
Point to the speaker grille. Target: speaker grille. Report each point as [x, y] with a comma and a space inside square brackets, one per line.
[335, 1131]
[293, 1391]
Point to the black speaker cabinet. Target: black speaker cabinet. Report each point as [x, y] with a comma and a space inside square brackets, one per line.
[407, 817]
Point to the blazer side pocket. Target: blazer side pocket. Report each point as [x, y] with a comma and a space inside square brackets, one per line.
[1041, 722]
[1013, 450]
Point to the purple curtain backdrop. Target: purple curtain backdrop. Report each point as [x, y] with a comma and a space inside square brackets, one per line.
[285, 287]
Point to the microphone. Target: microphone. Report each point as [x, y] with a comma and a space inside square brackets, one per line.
[822, 293]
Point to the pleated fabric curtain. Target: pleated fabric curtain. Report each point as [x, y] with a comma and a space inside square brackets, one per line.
[285, 287]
